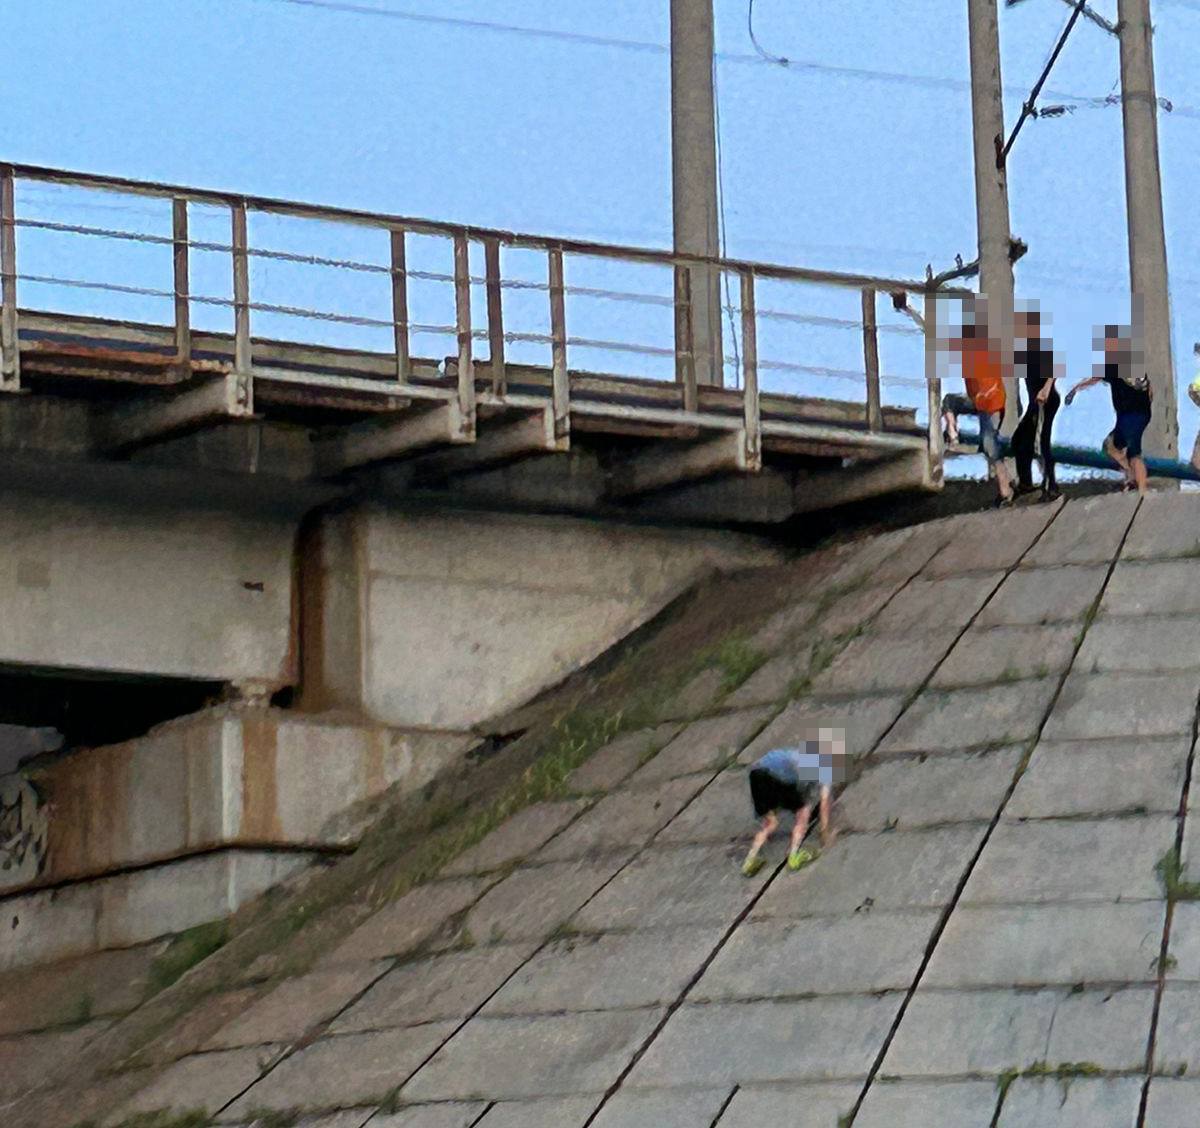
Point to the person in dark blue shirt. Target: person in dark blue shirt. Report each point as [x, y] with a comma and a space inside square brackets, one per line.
[797, 780]
[1131, 398]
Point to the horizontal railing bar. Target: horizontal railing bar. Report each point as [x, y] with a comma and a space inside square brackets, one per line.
[434, 227]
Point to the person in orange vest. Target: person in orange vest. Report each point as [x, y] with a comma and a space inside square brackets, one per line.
[985, 398]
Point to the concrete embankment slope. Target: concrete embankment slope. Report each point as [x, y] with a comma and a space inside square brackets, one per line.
[1004, 934]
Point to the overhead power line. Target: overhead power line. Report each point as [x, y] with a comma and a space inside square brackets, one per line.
[796, 66]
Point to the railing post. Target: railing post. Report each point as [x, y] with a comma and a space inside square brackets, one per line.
[936, 448]
[183, 311]
[751, 419]
[466, 359]
[871, 360]
[495, 315]
[400, 307]
[243, 360]
[10, 344]
[560, 384]
[685, 338]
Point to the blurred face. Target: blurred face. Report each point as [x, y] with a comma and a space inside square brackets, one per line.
[1027, 326]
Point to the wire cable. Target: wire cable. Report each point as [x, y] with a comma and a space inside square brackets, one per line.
[1028, 107]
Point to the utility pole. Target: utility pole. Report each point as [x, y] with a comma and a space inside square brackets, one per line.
[1144, 211]
[991, 187]
[694, 173]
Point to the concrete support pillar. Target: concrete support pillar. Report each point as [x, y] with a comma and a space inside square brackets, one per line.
[991, 185]
[1151, 309]
[694, 173]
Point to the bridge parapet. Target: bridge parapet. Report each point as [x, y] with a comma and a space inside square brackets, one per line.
[656, 432]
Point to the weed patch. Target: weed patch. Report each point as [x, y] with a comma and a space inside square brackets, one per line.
[1175, 886]
[182, 954]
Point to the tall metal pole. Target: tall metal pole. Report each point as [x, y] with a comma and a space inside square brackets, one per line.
[1144, 210]
[694, 173]
[991, 186]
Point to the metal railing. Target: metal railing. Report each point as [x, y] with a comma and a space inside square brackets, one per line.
[399, 229]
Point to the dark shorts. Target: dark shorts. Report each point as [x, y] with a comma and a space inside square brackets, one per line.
[771, 794]
[1127, 434]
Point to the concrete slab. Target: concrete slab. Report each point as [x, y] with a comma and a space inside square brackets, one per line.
[548, 1056]
[1044, 595]
[921, 1104]
[990, 540]
[864, 720]
[413, 919]
[453, 985]
[1172, 1101]
[699, 695]
[1094, 706]
[1165, 587]
[201, 1081]
[952, 1033]
[722, 812]
[1185, 942]
[1191, 837]
[297, 1005]
[1088, 532]
[531, 903]
[799, 1106]
[703, 746]
[191, 1033]
[1166, 525]
[28, 1058]
[673, 886]
[664, 1108]
[879, 663]
[854, 608]
[608, 766]
[585, 973]
[774, 681]
[521, 835]
[904, 869]
[343, 1118]
[454, 1114]
[1006, 946]
[927, 605]
[1076, 1102]
[556, 1112]
[1146, 644]
[905, 794]
[862, 952]
[1178, 1041]
[716, 1044]
[624, 819]
[995, 654]
[950, 720]
[1101, 777]
[786, 629]
[367, 1068]
[1092, 860]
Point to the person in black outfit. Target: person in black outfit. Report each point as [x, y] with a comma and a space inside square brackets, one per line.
[1131, 396]
[1036, 363]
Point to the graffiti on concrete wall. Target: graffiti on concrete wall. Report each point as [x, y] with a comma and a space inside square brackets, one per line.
[24, 831]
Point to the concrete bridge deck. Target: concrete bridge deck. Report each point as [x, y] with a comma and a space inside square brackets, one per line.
[109, 388]
[1004, 934]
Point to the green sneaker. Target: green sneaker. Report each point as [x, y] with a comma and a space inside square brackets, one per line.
[798, 859]
[751, 866]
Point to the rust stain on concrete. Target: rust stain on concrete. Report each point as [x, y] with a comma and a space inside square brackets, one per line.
[260, 791]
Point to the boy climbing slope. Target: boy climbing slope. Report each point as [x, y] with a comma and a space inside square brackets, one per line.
[797, 780]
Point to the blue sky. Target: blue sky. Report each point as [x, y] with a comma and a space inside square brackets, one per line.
[824, 164]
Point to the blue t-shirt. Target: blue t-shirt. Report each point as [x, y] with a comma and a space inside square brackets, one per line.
[798, 765]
